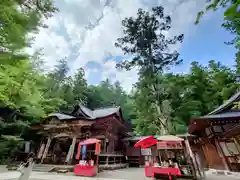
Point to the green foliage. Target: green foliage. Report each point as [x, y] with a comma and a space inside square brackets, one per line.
[8, 146]
[21, 88]
[230, 5]
[23, 97]
[18, 18]
[231, 16]
[183, 96]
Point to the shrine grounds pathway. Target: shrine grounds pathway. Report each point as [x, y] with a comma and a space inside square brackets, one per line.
[122, 174]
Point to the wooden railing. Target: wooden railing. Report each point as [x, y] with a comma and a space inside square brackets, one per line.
[132, 151]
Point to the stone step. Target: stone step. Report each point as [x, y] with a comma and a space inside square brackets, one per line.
[42, 168]
[112, 166]
[223, 172]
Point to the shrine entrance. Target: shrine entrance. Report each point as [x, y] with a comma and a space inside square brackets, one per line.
[59, 144]
[59, 149]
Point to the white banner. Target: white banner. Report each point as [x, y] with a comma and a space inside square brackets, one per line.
[27, 147]
[146, 152]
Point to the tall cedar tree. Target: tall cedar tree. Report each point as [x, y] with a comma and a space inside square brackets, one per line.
[144, 39]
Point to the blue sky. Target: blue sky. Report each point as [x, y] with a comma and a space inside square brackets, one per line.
[207, 43]
[204, 42]
[84, 31]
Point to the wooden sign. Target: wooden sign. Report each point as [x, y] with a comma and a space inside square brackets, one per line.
[146, 152]
[169, 145]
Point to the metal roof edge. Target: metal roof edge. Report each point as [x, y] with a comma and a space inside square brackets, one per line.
[226, 104]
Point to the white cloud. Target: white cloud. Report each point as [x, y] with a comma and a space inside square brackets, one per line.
[54, 46]
[92, 26]
[126, 78]
[99, 41]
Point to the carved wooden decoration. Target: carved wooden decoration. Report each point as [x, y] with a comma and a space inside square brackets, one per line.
[236, 105]
[54, 120]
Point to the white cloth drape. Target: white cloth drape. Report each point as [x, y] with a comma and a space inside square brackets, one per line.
[40, 153]
[71, 150]
[46, 149]
[27, 147]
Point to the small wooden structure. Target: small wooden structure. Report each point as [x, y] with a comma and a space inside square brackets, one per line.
[88, 165]
[62, 132]
[135, 155]
[218, 136]
[170, 160]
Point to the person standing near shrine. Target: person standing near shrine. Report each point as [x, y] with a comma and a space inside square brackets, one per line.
[26, 168]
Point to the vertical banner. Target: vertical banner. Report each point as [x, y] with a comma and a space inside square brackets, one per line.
[73, 146]
[27, 147]
[78, 152]
[97, 148]
[84, 152]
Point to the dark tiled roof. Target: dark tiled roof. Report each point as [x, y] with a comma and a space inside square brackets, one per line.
[87, 113]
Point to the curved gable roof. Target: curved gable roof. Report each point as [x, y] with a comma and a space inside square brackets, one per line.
[228, 103]
[97, 113]
[88, 114]
[61, 116]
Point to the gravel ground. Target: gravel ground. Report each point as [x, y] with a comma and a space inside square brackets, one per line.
[3, 168]
[122, 174]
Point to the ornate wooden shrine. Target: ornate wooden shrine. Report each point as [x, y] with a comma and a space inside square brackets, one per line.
[61, 131]
[218, 135]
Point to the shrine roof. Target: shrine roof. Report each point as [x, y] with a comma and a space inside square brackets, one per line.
[134, 138]
[221, 116]
[97, 113]
[86, 113]
[61, 116]
[227, 112]
[224, 111]
[227, 104]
